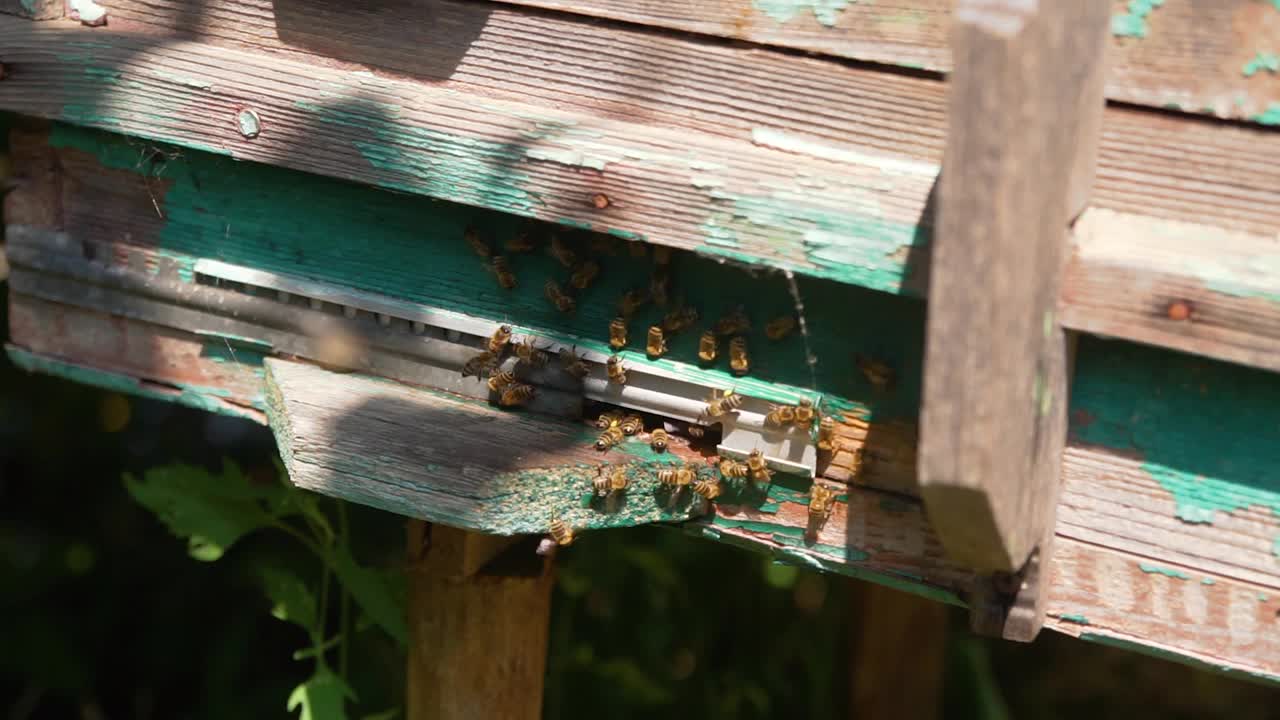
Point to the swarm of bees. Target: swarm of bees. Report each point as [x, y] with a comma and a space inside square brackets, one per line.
[616, 428]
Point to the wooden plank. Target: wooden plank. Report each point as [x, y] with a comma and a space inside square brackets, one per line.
[1201, 56]
[993, 415]
[478, 639]
[898, 646]
[34, 9]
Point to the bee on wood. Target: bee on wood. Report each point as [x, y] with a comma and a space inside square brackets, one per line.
[879, 374]
[717, 406]
[572, 363]
[502, 270]
[708, 347]
[709, 489]
[661, 255]
[610, 480]
[610, 437]
[617, 371]
[826, 434]
[608, 419]
[499, 381]
[655, 345]
[584, 274]
[562, 252]
[659, 287]
[560, 532]
[733, 469]
[821, 500]
[780, 327]
[530, 355]
[676, 477]
[780, 415]
[557, 296]
[805, 413]
[739, 360]
[632, 424]
[631, 301]
[734, 323]
[499, 339]
[618, 333]
[759, 469]
[521, 242]
[480, 365]
[477, 243]
[680, 319]
[658, 440]
[516, 394]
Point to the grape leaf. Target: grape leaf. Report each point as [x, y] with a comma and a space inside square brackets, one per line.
[292, 601]
[322, 697]
[379, 594]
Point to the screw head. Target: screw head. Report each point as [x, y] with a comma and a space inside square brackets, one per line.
[1179, 310]
[600, 200]
[249, 123]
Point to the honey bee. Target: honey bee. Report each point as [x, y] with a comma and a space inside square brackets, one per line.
[610, 480]
[697, 432]
[560, 532]
[661, 255]
[617, 371]
[658, 440]
[632, 424]
[805, 413]
[631, 301]
[530, 355]
[480, 365]
[676, 477]
[708, 347]
[680, 319]
[499, 339]
[584, 274]
[759, 469]
[506, 278]
[709, 489]
[563, 302]
[499, 381]
[739, 360]
[780, 327]
[821, 500]
[618, 333]
[516, 394]
[735, 323]
[726, 402]
[477, 243]
[561, 252]
[733, 469]
[610, 437]
[608, 419]
[572, 363]
[521, 242]
[659, 287]
[877, 373]
[826, 432]
[655, 345]
[780, 415]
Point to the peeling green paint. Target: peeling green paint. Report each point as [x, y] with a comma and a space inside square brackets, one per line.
[1167, 572]
[1134, 22]
[1267, 61]
[1163, 653]
[1207, 581]
[1074, 618]
[825, 11]
[1270, 116]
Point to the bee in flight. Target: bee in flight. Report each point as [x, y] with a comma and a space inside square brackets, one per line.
[660, 287]
[617, 371]
[499, 339]
[656, 345]
[563, 302]
[780, 327]
[659, 440]
[631, 301]
[618, 333]
[879, 374]
[502, 270]
[739, 360]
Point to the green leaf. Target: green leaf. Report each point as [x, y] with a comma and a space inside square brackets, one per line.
[379, 594]
[211, 511]
[291, 599]
[323, 697]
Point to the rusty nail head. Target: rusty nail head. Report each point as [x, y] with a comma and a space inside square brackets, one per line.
[1179, 310]
[249, 123]
[600, 200]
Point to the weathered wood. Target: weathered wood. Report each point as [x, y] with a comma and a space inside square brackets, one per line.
[34, 9]
[1202, 56]
[477, 636]
[897, 652]
[993, 416]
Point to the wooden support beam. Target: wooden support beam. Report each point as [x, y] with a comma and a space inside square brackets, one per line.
[479, 612]
[1025, 103]
[897, 654]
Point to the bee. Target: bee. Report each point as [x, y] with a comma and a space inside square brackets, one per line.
[661, 255]
[561, 252]
[735, 323]
[780, 327]
[658, 440]
[805, 413]
[610, 437]
[499, 339]
[477, 243]
[480, 365]
[676, 477]
[659, 287]
[584, 274]
[680, 319]
[780, 415]
[877, 373]
[632, 424]
[821, 500]
[733, 469]
[655, 345]
[617, 371]
[610, 480]
[739, 360]
[697, 432]
[631, 301]
[530, 355]
[516, 394]
[709, 489]
[618, 333]
[506, 278]
[608, 419]
[521, 242]
[560, 532]
[572, 363]
[726, 402]
[759, 469]
[826, 431]
[708, 347]
[638, 249]
[563, 302]
[499, 381]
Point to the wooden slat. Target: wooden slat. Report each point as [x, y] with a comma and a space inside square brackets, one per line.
[898, 647]
[1018, 167]
[1192, 55]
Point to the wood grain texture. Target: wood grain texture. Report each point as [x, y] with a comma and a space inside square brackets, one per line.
[34, 9]
[477, 642]
[1018, 166]
[897, 650]
[1192, 55]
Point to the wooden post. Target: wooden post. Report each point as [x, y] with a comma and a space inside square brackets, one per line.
[479, 608]
[898, 646]
[1025, 102]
